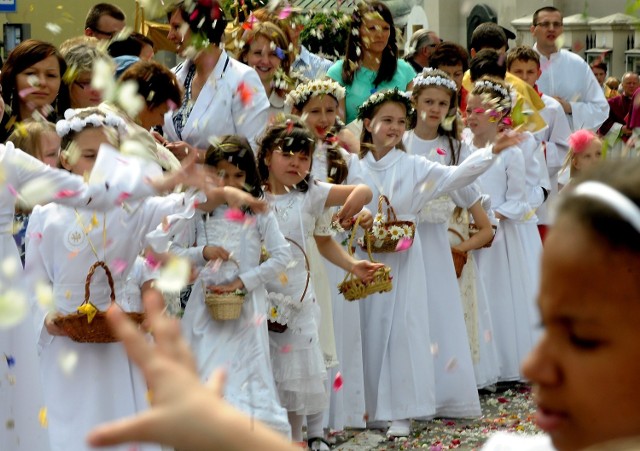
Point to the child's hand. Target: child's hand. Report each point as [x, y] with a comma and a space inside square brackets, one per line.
[181, 149]
[364, 269]
[159, 138]
[214, 253]
[51, 327]
[359, 197]
[227, 288]
[236, 198]
[506, 139]
[366, 219]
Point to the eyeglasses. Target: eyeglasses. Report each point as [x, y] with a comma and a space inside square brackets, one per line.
[82, 84]
[109, 34]
[549, 24]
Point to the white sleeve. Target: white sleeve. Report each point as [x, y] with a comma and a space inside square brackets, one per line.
[251, 120]
[535, 171]
[466, 196]
[279, 254]
[114, 179]
[36, 272]
[515, 206]
[591, 109]
[557, 144]
[184, 241]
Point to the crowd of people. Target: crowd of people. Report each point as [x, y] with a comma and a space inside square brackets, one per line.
[245, 194]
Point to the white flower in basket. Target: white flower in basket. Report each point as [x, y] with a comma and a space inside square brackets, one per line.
[281, 308]
[396, 232]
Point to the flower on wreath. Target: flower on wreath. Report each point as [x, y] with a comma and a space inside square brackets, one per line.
[365, 111]
[434, 77]
[304, 91]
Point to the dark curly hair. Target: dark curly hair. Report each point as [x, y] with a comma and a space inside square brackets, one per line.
[237, 151]
[289, 134]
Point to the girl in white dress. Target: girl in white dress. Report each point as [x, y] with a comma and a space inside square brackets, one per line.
[317, 103]
[436, 137]
[398, 362]
[232, 248]
[63, 243]
[509, 268]
[284, 163]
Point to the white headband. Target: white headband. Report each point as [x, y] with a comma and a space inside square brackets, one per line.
[429, 77]
[73, 122]
[612, 198]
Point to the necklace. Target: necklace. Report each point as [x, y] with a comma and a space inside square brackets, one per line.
[282, 211]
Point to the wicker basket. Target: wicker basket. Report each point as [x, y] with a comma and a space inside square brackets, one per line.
[280, 328]
[473, 229]
[78, 327]
[459, 257]
[223, 306]
[353, 288]
[388, 243]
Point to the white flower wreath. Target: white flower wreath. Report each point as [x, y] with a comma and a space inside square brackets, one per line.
[429, 77]
[72, 122]
[304, 91]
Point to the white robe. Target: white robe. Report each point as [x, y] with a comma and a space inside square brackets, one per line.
[510, 267]
[21, 395]
[242, 345]
[568, 76]
[104, 385]
[395, 326]
[219, 109]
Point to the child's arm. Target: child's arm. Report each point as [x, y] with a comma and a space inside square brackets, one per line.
[352, 198]
[233, 197]
[332, 251]
[515, 207]
[485, 231]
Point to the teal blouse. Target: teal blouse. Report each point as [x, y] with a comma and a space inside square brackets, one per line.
[362, 86]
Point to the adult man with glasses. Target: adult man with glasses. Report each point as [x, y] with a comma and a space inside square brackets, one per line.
[565, 76]
[104, 21]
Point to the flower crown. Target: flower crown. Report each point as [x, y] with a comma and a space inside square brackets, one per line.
[305, 91]
[432, 77]
[493, 86]
[72, 122]
[394, 95]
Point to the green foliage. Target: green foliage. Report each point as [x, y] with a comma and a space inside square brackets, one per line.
[325, 33]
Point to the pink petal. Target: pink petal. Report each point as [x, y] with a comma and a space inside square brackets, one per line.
[286, 12]
[118, 265]
[122, 197]
[404, 243]
[234, 214]
[151, 262]
[12, 190]
[65, 193]
[441, 151]
[285, 349]
[26, 91]
[337, 382]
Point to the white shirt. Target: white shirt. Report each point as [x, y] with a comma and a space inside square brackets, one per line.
[311, 65]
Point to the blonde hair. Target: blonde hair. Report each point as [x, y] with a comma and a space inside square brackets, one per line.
[28, 137]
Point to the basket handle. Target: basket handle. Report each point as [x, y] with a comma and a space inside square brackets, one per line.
[87, 283]
[350, 246]
[391, 213]
[306, 264]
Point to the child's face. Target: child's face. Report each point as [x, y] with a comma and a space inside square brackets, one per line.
[263, 58]
[287, 169]
[84, 150]
[588, 158]
[527, 71]
[479, 119]
[81, 94]
[585, 368]
[320, 114]
[432, 106]
[231, 175]
[49, 148]
[387, 126]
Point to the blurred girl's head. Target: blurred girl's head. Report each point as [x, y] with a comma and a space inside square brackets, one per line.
[235, 163]
[80, 59]
[375, 33]
[284, 158]
[39, 139]
[385, 116]
[82, 132]
[488, 104]
[585, 152]
[31, 79]
[589, 302]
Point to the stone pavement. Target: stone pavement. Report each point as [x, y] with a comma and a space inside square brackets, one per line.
[509, 409]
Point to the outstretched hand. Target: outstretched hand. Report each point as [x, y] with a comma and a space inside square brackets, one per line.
[364, 269]
[506, 139]
[236, 198]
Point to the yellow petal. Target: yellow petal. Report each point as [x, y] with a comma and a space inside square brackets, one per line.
[42, 417]
[88, 309]
[283, 278]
